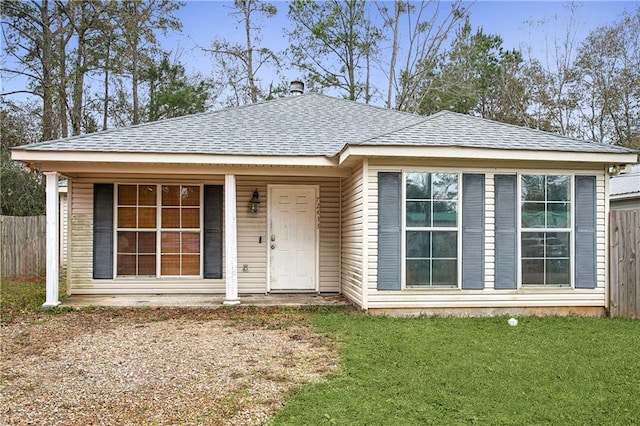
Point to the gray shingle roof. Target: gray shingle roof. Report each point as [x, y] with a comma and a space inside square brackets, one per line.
[452, 129]
[312, 124]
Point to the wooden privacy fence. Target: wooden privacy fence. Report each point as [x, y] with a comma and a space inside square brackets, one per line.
[624, 263]
[23, 244]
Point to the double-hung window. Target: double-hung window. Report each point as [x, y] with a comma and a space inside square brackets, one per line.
[158, 230]
[545, 221]
[431, 224]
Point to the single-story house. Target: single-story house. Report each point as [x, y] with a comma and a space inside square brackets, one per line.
[397, 212]
[624, 189]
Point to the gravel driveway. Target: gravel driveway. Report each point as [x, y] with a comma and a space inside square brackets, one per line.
[156, 366]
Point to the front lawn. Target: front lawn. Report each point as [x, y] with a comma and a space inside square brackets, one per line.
[420, 371]
[409, 371]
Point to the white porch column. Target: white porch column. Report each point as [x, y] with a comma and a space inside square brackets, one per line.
[231, 241]
[52, 239]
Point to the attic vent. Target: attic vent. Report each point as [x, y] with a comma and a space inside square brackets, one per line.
[296, 87]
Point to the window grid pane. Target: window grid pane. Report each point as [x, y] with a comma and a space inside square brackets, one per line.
[545, 238]
[139, 236]
[431, 204]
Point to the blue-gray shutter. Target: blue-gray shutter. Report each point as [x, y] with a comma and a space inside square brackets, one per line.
[103, 231]
[585, 228]
[506, 231]
[389, 229]
[473, 231]
[212, 231]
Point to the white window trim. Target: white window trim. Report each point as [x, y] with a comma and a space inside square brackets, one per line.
[520, 229]
[403, 238]
[158, 231]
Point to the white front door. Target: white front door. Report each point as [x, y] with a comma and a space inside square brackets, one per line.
[293, 237]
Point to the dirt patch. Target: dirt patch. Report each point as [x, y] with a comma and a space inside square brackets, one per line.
[156, 366]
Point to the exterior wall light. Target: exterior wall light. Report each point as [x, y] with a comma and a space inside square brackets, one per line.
[254, 204]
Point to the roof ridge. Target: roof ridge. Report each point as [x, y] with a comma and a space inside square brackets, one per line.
[424, 119]
[376, 107]
[390, 132]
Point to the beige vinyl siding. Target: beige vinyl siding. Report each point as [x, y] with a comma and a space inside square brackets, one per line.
[330, 236]
[64, 226]
[352, 237]
[372, 229]
[489, 231]
[250, 228]
[487, 298]
[601, 230]
[457, 298]
[79, 263]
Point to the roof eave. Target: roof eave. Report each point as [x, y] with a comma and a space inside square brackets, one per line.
[459, 152]
[43, 157]
[625, 196]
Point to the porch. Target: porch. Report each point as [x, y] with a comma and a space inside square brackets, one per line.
[204, 301]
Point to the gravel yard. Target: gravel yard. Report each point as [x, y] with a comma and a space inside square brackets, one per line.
[156, 366]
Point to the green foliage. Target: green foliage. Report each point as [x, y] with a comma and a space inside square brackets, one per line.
[477, 76]
[171, 93]
[333, 42]
[421, 371]
[21, 189]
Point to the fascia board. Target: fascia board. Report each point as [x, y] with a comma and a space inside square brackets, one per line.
[456, 152]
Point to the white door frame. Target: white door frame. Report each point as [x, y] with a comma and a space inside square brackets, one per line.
[316, 189]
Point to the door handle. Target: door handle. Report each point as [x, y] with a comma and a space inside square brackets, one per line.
[273, 246]
[273, 237]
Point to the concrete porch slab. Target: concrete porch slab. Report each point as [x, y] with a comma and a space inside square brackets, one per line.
[203, 301]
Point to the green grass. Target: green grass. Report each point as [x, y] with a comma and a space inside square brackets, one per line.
[422, 371]
[21, 296]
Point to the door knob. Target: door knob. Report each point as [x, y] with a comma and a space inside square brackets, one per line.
[273, 246]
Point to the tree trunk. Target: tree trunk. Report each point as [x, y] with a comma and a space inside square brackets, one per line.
[47, 82]
[134, 88]
[78, 84]
[105, 103]
[253, 90]
[394, 51]
[62, 87]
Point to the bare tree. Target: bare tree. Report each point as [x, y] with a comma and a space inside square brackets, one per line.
[427, 28]
[609, 63]
[554, 81]
[239, 64]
